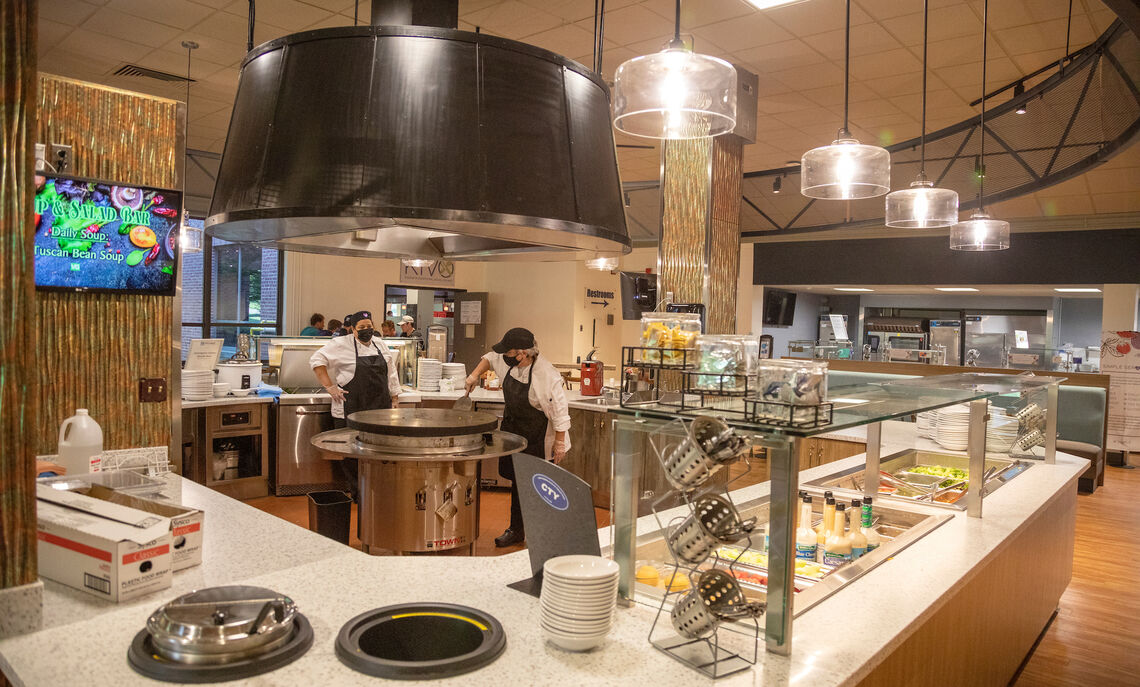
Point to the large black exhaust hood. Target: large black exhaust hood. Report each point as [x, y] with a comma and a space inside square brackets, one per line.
[419, 141]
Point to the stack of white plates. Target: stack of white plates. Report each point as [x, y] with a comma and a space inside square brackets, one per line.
[927, 423]
[1001, 431]
[197, 385]
[952, 428]
[456, 371]
[428, 375]
[579, 594]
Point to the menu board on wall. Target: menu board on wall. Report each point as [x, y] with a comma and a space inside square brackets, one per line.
[1120, 360]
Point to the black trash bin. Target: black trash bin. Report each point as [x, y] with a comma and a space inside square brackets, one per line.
[330, 513]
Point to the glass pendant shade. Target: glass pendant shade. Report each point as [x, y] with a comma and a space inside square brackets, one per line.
[980, 233]
[675, 94]
[922, 206]
[845, 170]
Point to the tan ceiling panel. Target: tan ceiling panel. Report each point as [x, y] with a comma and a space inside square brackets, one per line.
[744, 33]
[1052, 206]
[84, 42]
[70, 12]
[697, 13]
[181, 15]
[887, 63]
[634, 24]
[1128, 201]
[816, 16]
[945, 23]
[568, 39]
[566, 10]
[870, 38]
[173, 61]
[50, 34]
[767, 59]
[130, 28]
[1023, 206]
[290, 15]
[811, 76]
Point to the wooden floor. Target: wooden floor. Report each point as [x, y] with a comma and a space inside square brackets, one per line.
[1093, 640]
[1095, 637]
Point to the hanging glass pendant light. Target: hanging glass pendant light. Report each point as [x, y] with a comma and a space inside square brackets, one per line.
[922, 206]
[981, 232]
[846, 169]
[675, 94]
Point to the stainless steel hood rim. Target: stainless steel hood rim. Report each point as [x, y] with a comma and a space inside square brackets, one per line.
[424, 32]
[561, 235]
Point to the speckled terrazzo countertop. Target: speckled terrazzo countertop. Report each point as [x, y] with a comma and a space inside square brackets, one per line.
[84, 640]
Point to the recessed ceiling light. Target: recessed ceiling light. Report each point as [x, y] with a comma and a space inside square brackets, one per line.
[852, 288]
[769, 4]
[1077, 290]
[954, 288]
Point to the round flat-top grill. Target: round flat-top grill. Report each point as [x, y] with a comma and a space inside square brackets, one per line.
[419, 473]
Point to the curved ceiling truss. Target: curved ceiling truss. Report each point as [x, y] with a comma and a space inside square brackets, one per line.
[1074, 120]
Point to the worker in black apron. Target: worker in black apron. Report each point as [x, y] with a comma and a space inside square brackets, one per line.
[368, 389]
[515, 360]
[523, 419]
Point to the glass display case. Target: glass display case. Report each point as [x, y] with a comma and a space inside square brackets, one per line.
[756, 549]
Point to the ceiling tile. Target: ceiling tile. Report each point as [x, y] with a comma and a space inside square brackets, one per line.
[129, 28]
[566, 10]
[181, 15]
[568, 39]
[514, 19]
[743, 33]
[1053, 206]
[174, 62]
[811, 76]
[635, 24]
[50, 34]
[1116, 202]
[290, 15]
[870, 38]
[885, 64]
[817, 16]
[767, 59]
[84, 42]
[70, 12]
[696, 13]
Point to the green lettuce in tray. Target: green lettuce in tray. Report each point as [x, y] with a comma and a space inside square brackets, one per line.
[952, 475]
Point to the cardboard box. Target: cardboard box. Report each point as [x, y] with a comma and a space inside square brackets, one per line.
[105, 549]
[186, 523]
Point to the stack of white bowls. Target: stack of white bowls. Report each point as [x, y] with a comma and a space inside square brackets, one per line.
[456, 372]
[579, 594]
[197, 385]
[428, 375]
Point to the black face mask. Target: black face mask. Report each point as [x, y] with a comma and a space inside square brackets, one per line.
[365, 335]
[511, 361]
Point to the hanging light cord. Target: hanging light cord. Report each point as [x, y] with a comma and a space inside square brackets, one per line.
[676, 42]
[925, 16]
[1068, 29]
[844, 133]
[249, 41]
[982, 157]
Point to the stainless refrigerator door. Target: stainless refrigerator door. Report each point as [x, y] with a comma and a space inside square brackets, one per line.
[300, 467]
[949, 336]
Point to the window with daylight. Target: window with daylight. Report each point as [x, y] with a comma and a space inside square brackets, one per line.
[230, 289]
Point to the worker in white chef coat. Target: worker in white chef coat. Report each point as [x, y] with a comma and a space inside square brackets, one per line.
[534, 408]
[359, 373]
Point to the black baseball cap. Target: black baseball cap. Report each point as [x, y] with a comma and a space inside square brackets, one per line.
[516, 338]
[351, 320]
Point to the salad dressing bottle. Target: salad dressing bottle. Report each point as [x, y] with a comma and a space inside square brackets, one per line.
[873, 538]
[858, 539]
[828, 514]
[805, 535]
[837, 548]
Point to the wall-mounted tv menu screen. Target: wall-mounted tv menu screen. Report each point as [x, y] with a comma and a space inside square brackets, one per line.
[100, 236]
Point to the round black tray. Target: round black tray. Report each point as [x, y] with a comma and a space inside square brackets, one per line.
[420, 641]
[146, 661]
[422, 422]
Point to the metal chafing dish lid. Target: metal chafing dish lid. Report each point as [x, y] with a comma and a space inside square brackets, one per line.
[422, 422]
[219, 624]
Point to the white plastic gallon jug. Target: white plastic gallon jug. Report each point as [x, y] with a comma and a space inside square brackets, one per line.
[80, 443]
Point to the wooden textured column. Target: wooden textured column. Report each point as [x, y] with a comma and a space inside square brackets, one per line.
[699, 255]
[101, 344]
[19, 402]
